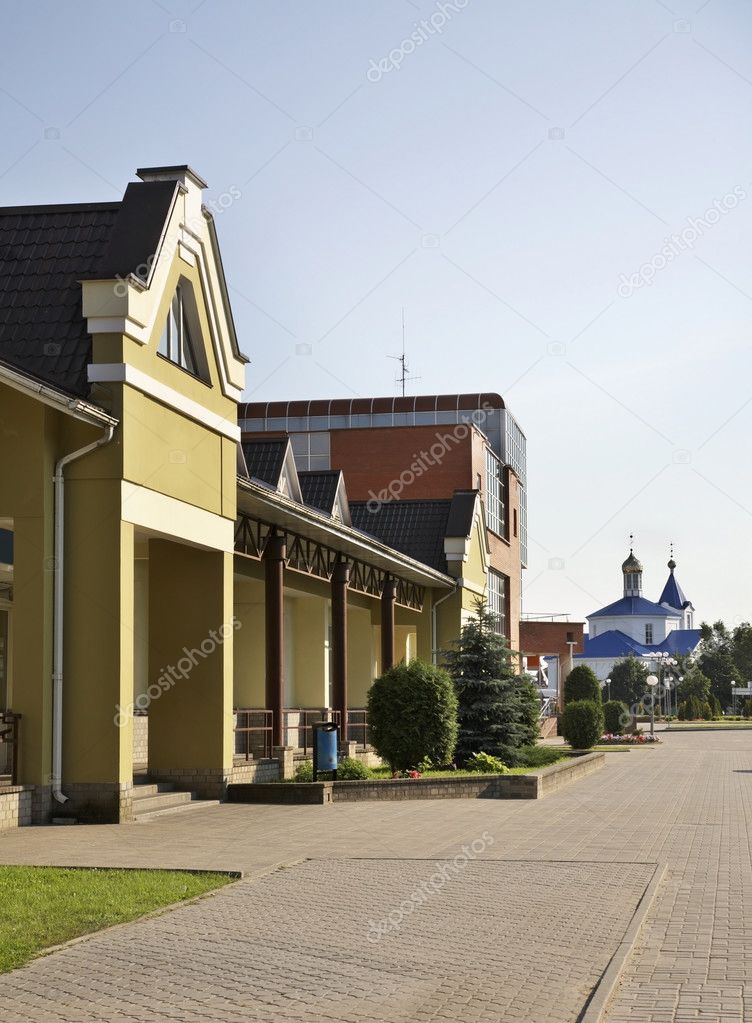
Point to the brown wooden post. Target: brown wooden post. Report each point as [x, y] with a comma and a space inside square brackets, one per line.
[274, 566]
[387, 623]
[340, 579]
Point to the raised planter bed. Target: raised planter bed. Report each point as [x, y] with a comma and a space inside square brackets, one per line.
[534, 785]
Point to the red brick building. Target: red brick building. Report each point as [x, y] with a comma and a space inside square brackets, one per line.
[552, 645]
[419, 449]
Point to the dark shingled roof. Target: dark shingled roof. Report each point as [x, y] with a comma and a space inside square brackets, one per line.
[462, 513]
[45, 252]
[415, 528]
[319, 488]
[264, 459]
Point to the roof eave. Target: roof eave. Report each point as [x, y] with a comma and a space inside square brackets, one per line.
[72, 406]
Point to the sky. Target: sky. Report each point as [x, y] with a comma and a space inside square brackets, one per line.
[557, 192]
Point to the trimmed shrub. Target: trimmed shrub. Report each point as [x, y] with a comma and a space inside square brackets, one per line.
[582, 723]
[539, 756]
[351, 769]
[747, 708]
[412, 714]
[484, 763]
[715, 706]
[707, 712]
[616, 717]
[582, 684]
[304, 771]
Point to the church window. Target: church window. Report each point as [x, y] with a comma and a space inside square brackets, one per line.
[648, 634]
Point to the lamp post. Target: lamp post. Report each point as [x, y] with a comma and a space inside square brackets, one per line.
[668, 682]
[733, 698]
[608, 683]
[652, 681]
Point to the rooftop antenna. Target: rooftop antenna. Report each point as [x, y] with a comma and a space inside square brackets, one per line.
[404, 374]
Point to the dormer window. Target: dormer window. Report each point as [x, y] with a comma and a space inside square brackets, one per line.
[176, 343]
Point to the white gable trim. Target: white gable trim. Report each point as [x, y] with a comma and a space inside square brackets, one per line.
[129, 307]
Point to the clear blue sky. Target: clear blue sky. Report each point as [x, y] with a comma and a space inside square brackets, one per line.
[497, 184]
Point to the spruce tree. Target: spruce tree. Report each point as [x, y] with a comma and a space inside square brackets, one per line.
[497, 711]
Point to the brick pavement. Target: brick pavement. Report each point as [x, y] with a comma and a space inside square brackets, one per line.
[304, 944]
[686, 804]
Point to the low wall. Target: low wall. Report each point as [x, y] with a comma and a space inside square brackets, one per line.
[485, 786]
[15, 806]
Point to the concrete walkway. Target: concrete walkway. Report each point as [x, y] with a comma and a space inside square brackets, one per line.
[581, 858]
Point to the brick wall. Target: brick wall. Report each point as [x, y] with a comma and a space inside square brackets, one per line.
[15, 806]
[140, 740]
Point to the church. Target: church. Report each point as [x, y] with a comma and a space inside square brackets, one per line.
[634, 625]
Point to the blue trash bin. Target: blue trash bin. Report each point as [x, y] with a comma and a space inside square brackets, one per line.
[325, 742]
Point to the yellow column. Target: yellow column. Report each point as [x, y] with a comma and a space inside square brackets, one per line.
[191, 631]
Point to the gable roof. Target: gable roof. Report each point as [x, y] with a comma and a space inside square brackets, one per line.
[673, 594]
[634, 606]
[45, 252]
[265, 459]
[462, 513]
[415, 528]
[325, 489]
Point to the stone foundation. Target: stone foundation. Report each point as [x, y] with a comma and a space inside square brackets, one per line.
[15, 806]
[96, 802]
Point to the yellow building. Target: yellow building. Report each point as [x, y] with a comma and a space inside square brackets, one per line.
[165, 607]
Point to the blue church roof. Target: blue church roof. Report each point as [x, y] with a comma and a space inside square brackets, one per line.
[634, 606]
[615, 643]
[672, 593]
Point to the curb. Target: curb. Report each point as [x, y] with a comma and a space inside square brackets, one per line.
[595, 1007]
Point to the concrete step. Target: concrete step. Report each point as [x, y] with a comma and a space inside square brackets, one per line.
[144, 789]
[161, 801]
[193, 803]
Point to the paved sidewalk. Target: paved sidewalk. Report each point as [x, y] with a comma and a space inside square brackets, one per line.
[306, 944]
[687, 804]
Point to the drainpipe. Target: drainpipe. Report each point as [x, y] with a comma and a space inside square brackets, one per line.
[434, 636]
[59, 581]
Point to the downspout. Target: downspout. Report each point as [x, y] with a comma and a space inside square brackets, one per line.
[434, 619]
[58, 588]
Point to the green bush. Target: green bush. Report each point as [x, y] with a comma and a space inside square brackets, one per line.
[350, 769]
[539, 756]
[582, 684]
[747, 708]
[412, 714]
[715, 705]
[582, 723]
[707, 712]
[484, 763]
[616, 716]
[304, 771]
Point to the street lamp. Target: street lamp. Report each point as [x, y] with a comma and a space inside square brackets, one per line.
[668, 682]
[608, 683]
[733, 698]
[652, 681]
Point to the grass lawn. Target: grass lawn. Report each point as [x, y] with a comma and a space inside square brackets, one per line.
[44, 906]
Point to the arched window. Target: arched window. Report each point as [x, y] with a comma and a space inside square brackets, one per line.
[176, 343]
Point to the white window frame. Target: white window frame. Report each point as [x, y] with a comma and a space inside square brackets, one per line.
[176, 344]
[648, 633]
[494, 494]
[498, 599]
